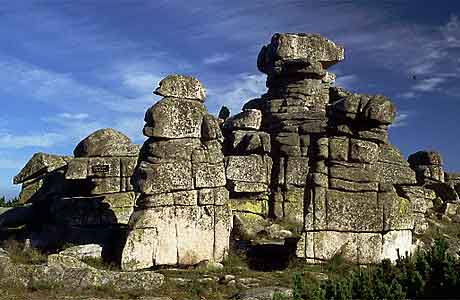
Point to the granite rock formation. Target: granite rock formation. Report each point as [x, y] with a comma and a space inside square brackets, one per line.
[86, 198]
[307, 164]
[182, 215]
[335, 174]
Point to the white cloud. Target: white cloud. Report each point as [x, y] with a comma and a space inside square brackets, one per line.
[401, 120]
[451, 31]
[70, 116]
[238, 92]
[45, 140]
[216, 58]
[346, 81]
[14, 164]
[407, 95]
[140, 82]
[428, 85]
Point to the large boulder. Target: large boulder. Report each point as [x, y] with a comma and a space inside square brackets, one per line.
[40, 164]
[174, 118]
[310, 52]
[106, 142]
[248, 119]
[180, 86]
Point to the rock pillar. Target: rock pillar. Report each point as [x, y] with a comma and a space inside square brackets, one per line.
[182, 215]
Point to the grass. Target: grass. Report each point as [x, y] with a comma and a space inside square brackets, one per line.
[99, 263]
[24, 255]
[193, 284]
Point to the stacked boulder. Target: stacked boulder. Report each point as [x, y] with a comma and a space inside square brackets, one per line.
[427, 166]
[182, 215]
[295, 112]
[334, 170]
[87, 198]
[248, 170]
[41, 176]
[99, 177]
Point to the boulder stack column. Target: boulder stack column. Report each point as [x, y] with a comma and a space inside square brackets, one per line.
[182, 215]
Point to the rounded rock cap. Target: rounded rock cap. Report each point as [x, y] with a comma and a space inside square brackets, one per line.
[105, 142]
[180, 86]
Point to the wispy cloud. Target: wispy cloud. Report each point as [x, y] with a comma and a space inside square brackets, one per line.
[451, 31]
[346, 81]
[70, 116]
[401, 120]
[238, 92]
[13, 164]
[216, 58]
[428, 85]
[44, 140]
[406, 95]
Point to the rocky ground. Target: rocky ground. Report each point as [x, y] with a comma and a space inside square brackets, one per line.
[25, 273]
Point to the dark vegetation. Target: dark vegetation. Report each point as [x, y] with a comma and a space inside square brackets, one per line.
[430, 274]
[9, 203]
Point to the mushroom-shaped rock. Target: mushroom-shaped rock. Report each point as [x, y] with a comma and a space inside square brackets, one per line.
[40, 164]
[106, 142]
[180, 86]
[174, 118]
[380, 109]
[248, 119]
[311, 52]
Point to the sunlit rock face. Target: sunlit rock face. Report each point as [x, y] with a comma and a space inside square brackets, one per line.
[334, 173]
[182, 215]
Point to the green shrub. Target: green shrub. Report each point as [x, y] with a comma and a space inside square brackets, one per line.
[427, 274]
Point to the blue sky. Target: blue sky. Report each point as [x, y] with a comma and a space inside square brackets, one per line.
[68, 68]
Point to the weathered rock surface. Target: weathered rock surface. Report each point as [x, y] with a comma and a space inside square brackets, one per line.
[106, 142]
[83, 251]
[67, 273]
[174, 118]
[40, 164]
[182, 216]
[179, 86]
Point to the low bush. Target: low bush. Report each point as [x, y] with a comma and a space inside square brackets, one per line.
[432, 274]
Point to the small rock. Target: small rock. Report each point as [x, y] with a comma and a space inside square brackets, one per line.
[226, 279]
[65, 261]
[224, 113]
[180, 281]
[264, 293]
[84, 251]
[248, 119]
[210, 265]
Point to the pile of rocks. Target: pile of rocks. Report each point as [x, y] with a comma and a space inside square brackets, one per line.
[101, 171]
[248, 170]
[182, 215]
[334, 171]
[81, 199]
[42, 176]
[295, 111]
[427, 166]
